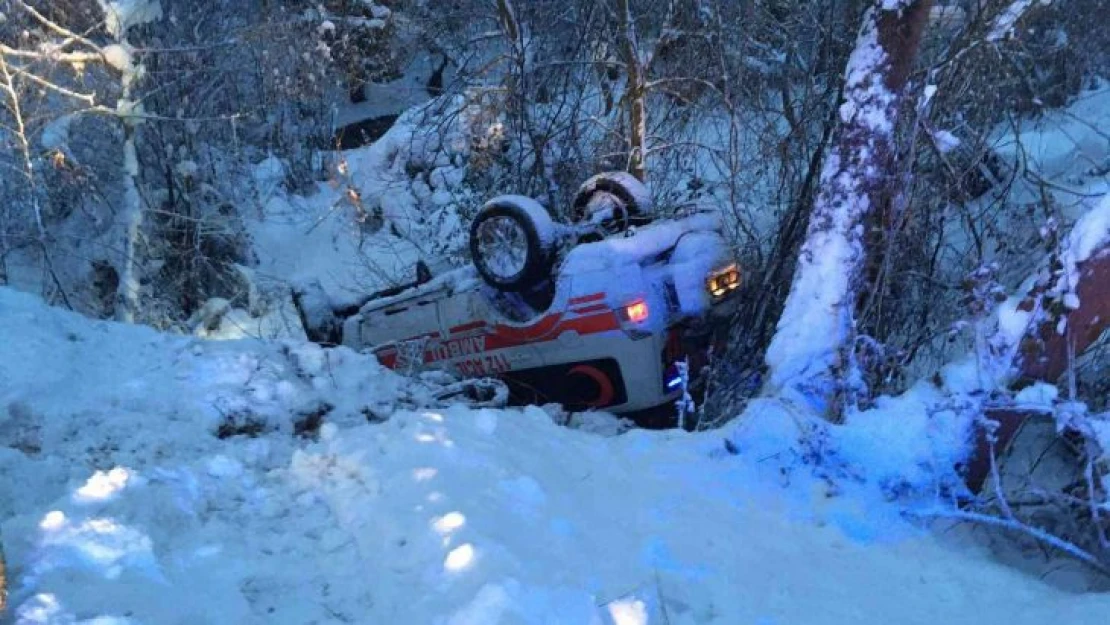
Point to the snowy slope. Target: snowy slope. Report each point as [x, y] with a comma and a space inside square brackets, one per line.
[399, 199]
[1066, 146]
[383, 207]
[120, 505]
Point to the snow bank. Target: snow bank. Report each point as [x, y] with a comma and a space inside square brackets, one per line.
[119, 504]
[1064, 145]
[906, 448]
[386, 205]
[299, 240]
[395, 96]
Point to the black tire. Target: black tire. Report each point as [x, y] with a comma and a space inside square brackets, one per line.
[632, 194]
[531, 229]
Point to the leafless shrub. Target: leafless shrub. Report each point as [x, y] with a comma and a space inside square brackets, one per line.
[1047, 494]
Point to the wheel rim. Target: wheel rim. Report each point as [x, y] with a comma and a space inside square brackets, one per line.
[604, 202]
[502, 247]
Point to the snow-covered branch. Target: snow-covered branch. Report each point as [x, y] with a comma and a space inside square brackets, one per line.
[1016, 526]
[72, 58]
[87, 98]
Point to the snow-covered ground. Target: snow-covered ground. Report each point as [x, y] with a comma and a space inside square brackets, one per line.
[120, 504]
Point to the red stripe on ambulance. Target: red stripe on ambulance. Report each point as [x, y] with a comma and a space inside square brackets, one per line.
[466, 327]
[502, 336]
[591, 309]
[585, 299]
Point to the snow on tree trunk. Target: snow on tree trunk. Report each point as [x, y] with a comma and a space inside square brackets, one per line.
[127, 295]
[636, 93]
[810, 356]
[1065, 310]
[120, 16]
[1059, 316]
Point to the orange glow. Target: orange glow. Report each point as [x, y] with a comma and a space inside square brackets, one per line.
[724, 281]
[636, 311]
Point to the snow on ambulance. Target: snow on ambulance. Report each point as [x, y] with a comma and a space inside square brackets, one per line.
[593, 314]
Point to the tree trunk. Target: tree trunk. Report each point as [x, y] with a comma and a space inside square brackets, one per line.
[635, 94]
[1043, 348]
[507, 15]
[1068, 311]
[128, 294]
[127, 297]
[811, 355]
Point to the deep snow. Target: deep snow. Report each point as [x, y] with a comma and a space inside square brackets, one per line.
[119, 504]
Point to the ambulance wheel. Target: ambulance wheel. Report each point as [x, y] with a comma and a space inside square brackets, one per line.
[512, 242]
[616, 192]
